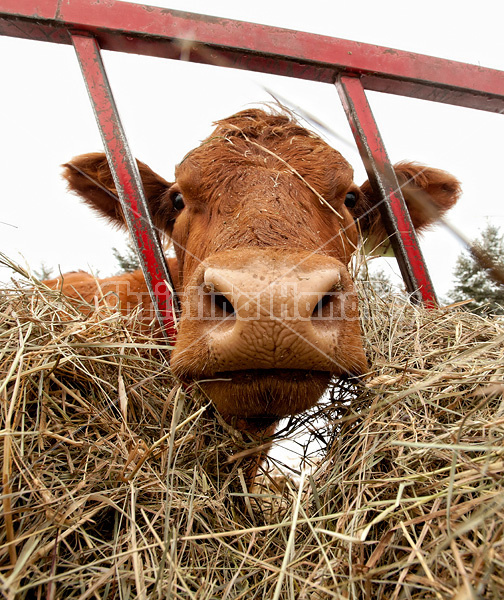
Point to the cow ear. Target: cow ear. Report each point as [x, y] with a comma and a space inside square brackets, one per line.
[428, 194]
[89, 176]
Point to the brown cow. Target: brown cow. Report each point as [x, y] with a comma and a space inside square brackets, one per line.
[264, 217]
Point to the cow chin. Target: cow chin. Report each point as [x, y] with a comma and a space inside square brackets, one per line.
[263, 396]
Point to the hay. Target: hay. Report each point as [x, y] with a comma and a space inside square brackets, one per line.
[118, 484]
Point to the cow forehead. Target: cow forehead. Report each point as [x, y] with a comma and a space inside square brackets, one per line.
[256, 140]
[222, 166]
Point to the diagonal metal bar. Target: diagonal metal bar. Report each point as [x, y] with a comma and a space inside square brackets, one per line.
[128, 183]
[354, 66]
[393, 210]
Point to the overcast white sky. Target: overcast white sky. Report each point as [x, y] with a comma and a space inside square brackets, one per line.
[167, 107]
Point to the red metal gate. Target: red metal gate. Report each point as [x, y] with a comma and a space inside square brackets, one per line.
[353, 67]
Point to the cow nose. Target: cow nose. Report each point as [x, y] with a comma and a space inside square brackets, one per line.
[273, 313]
[232, 294]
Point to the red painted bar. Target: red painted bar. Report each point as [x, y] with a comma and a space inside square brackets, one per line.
[128, 183]
[353, 66]
[162, 32]
[393, 209]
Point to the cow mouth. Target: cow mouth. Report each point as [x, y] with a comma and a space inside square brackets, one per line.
[246, 376]
[265, 395]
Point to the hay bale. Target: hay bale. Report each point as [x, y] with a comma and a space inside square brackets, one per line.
[117, 483]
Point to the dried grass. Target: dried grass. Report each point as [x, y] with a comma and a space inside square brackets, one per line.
[117, 484]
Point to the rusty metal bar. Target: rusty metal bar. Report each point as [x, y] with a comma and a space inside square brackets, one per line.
[353, 66]
[128, 183]
[172, 34]
[393, 210]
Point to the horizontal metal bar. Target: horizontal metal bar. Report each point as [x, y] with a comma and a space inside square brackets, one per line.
[141, 29]
[128, 183]
[393, 210]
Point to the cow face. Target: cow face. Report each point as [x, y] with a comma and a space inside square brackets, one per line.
[264, 217]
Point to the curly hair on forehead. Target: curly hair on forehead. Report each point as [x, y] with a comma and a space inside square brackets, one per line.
[257, 136]
[259, 125]
[257, 139]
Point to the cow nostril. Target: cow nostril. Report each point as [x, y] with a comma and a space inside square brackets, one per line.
[216, 304]
[326, 306]
[319, 310]
[222, 307]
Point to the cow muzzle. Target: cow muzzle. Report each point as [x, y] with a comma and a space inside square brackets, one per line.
[264, 324]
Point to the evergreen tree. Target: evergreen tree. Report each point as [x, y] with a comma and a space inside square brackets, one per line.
[382, 283]
[477, 274]
[128, 260]
[379, 281]
[43, 272]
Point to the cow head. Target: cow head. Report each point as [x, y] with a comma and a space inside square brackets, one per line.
[264, 217]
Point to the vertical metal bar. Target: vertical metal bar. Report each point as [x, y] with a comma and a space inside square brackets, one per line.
[382, 177]
[128, 183]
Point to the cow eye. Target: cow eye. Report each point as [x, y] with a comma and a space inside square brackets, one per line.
[178, 201]
[350, 199]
